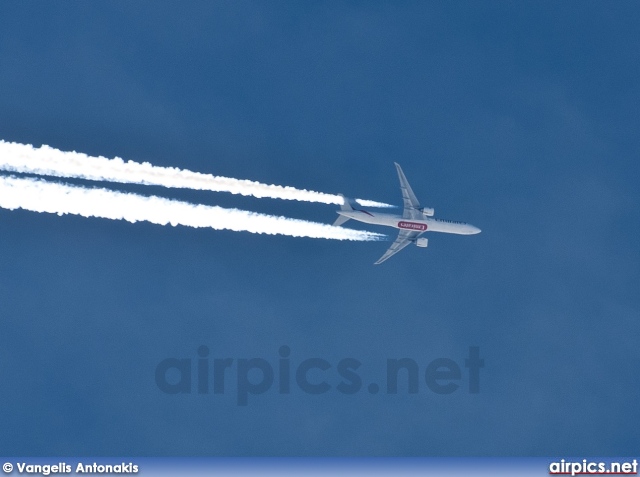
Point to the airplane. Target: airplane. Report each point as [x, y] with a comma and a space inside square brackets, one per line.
[415, 220]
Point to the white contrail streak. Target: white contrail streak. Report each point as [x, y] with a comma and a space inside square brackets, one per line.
[42, 196]
[48, 161]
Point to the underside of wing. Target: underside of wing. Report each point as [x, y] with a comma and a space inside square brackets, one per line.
[405, 237]
[411, 204]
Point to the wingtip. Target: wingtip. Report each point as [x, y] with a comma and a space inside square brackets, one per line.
[380, 260]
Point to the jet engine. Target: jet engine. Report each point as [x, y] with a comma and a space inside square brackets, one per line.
[427, 211]
[422, 242]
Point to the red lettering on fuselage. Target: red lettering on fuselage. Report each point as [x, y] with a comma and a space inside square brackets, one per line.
[412, 226]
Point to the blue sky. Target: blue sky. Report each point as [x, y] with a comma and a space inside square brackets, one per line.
[520, 118]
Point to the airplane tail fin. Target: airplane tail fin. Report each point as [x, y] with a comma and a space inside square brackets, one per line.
[347, 204]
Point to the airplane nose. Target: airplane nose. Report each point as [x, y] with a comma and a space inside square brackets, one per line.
[475, 230]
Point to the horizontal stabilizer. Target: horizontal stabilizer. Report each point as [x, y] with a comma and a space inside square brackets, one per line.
[340, 220]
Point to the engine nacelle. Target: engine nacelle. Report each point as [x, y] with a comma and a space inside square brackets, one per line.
[422, 242]
[428, 211]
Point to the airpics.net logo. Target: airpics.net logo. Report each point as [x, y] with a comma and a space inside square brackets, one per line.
[205, 374]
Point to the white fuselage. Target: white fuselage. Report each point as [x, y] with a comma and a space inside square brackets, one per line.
[427, 224]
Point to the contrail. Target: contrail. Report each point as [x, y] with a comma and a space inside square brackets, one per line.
[42, 196]
[47, 161]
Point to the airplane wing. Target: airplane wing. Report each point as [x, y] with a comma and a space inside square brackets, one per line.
[405, 237]
[412, 210]
[411, 204]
